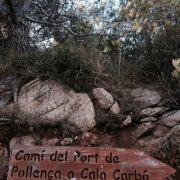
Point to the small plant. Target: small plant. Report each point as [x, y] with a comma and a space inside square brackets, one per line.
[176, 72]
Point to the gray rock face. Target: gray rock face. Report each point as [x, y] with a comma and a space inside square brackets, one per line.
[52, 102]
[152, 111]
[148, 119]
[115, 109]
[106, 101]
[145, 97]
[127, 121]
[104, 98]
[170, 119]
[84, 116]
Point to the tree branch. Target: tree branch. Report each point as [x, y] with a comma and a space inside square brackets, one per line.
[52, 24]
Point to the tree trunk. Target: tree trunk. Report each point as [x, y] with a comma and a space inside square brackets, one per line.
[16, 39]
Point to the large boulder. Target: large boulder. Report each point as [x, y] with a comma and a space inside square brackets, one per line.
[137, 99]
[52, 102]
[145, 97]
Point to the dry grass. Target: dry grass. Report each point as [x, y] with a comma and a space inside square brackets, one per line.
[83, 69]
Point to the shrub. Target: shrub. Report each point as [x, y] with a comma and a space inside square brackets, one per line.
[75, 68]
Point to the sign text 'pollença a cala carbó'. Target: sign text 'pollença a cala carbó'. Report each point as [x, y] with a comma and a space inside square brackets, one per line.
[75, 163]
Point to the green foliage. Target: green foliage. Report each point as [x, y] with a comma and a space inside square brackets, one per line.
[153, 39]
[129, 41]
[60, 64]
[78, 68]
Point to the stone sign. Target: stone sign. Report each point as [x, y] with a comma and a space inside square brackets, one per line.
[75, 163]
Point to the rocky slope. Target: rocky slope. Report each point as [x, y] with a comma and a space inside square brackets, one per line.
[139, 119]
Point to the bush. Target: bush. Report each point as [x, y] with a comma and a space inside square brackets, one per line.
[77, 68]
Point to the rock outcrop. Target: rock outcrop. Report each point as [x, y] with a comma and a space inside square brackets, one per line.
[143, 121]
[153, 111]
[141, 101]
[145, 97]
[51, 102]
